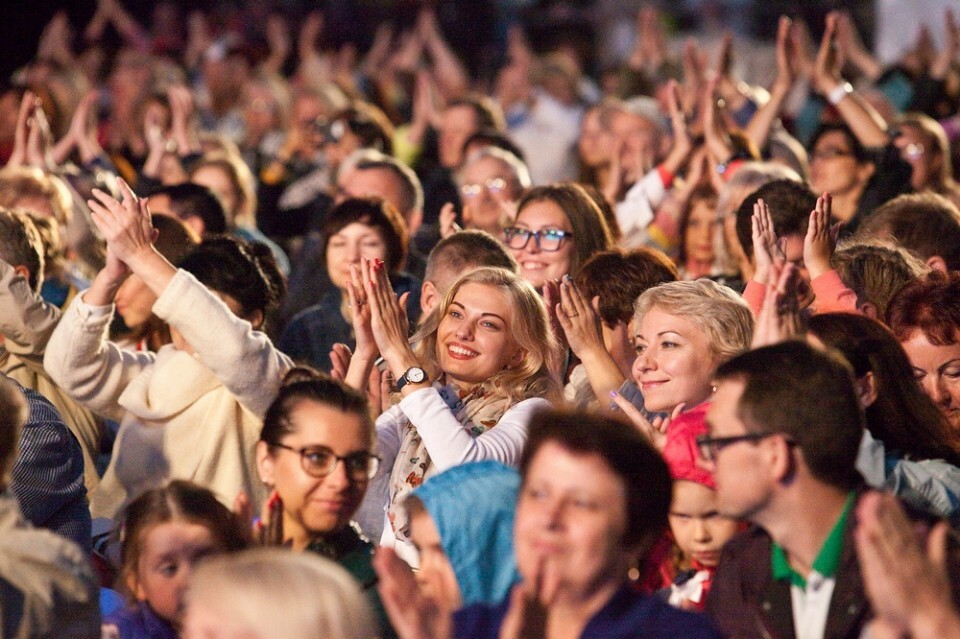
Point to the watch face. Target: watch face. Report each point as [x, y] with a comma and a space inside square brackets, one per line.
[415, 375]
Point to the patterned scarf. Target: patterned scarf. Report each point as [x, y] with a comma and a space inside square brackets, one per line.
[475, 409]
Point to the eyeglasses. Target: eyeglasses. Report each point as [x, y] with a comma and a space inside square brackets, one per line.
[830, 153]
[493, 186]
[546, 239]
[913, 151]
[710, 446]
[319, 462]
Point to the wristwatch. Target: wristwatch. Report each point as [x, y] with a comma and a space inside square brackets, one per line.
[414, 375]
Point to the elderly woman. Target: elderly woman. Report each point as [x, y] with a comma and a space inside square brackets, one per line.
[491, 181]
[593, 499]
[925, 317]
[357, 228]
[468, 390]
[683, 332]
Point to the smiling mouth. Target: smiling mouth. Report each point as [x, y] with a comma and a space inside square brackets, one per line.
[460, 352]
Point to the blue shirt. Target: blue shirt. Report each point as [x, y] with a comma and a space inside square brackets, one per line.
[140, 622]
[628, 615]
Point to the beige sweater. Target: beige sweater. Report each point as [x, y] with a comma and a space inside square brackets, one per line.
[182, 416]
[26, 322]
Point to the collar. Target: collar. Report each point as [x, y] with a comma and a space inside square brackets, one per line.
[339, 544]
[827, 560]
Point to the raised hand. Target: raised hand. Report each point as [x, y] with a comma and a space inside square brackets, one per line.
[413, 613]
[945, 57]
[715, 135]
[268, 530]
[821, 238]
[907, 582]
[787, 54]
[826, 68]
[682, 140]
[125, 225]
[365, 346]
[181, 121]
[654, 430]
[388, 317]
[577, 319]
[530, 603]
[28, 106]
[448, 219]
[779, 318]
[766, 245]
[340, 356]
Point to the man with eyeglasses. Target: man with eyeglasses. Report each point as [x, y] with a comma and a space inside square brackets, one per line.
[784, 431]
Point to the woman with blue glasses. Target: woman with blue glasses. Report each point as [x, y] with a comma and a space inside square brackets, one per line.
[556, 229]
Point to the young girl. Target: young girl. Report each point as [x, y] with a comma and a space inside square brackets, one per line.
[164, 532]
[699, 531]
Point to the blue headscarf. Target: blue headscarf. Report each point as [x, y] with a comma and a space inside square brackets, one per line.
[472, 507]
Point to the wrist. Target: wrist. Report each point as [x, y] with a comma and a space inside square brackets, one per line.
[836, 95]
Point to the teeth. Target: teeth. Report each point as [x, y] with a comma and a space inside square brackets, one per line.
[461, 351]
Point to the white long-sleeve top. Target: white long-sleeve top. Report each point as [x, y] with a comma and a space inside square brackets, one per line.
[448, 442]
[183, 416]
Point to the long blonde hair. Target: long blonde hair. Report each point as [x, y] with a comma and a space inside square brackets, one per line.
[529, 326]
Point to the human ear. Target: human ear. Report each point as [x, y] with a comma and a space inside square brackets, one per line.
[265, 463]
[937, 263]
[866, 390]
[256, 319]
[869, 309]
[429, 297]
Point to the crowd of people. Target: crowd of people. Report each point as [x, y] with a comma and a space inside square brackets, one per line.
[433, 339]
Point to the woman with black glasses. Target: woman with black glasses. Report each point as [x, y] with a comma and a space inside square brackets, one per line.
[316, 456]
[557, 228]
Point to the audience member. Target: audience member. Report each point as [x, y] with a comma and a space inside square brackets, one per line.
[165, 532]
[47, 588]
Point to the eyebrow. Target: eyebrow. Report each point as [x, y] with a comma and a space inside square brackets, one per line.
[660, 334]
[947, 364]
[481, 314]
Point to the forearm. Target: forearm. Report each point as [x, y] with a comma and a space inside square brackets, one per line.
[867, 125]
[151, 267]
[243, 359]
[602, 372]
[81, 361]
[26, 320]
[450, 444]
[758, 129]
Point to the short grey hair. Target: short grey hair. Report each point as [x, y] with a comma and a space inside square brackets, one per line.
[369, 159]
[723, 316]
[517, 167]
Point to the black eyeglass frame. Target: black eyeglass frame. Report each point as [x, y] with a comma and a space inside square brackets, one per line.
[368, 473]
[708, 446]
[509, 233]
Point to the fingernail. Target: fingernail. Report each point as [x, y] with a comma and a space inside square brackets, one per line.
[614, 394]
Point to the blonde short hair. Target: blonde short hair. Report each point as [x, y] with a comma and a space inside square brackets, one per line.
[529, 327]
[722, 315]
[274, 592]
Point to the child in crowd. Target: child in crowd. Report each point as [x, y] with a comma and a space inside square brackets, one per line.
[164, 533]
[699, 531]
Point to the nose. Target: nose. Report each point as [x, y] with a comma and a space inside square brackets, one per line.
[353, 252]
[644, 362]
[533, 244]
[938, 392]
[701, 532]
[338, 477]
[465, 331]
